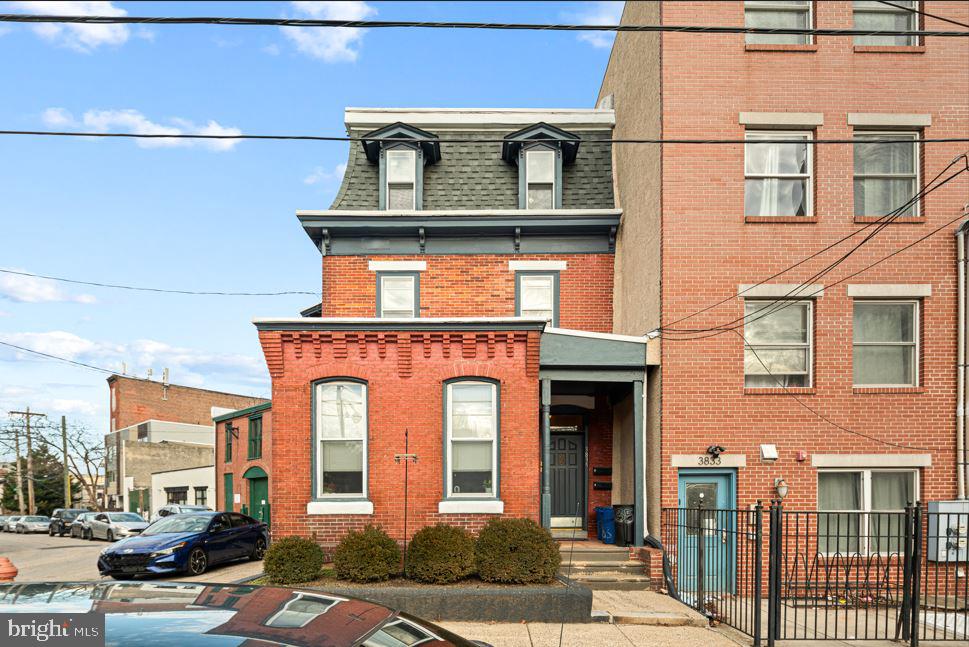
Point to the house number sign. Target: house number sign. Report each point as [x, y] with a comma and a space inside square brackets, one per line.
[708, 460]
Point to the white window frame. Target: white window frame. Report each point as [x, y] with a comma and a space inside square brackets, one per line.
[331, 600]
[319, 440]
[864, 534]
[911, 15]
[915, 343]
[412, 154]
[917, 159]
[450, 440]
[551, 152]
[553, 277]
[767, 303]
[414, 291]
[752, 135]
[783, 6]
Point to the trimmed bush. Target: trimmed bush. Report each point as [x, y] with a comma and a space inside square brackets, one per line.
[293, 560]
[368, 555]
[440, 554]
[516, 551]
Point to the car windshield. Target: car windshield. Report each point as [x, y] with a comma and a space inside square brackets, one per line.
[125, 516]
[195, 508]
[178, 523]
[36, 519]
[70, 514]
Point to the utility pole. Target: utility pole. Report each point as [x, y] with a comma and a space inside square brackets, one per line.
[67, 474]
[30, 458]
[20, 476]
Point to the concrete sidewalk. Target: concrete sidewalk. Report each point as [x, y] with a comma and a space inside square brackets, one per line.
[598, 634]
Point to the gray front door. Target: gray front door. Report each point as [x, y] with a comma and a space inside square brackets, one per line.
[568, 484]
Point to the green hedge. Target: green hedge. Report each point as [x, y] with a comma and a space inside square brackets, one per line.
[368, 555]
[440, 554]
[516, 551]
[293, 560]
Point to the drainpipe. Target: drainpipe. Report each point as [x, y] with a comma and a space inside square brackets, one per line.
[961, 366]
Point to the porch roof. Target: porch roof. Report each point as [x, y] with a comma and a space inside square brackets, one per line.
[579, 354]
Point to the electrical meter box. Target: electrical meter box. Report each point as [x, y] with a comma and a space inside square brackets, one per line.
[947, 539]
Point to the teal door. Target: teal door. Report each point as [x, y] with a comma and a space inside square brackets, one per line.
[707, 500]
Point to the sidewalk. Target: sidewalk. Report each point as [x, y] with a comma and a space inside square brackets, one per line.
[597, 634]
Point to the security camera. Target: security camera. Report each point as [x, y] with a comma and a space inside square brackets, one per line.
[716, 450]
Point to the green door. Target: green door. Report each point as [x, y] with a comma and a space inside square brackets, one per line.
[258, 493]
[227, 488]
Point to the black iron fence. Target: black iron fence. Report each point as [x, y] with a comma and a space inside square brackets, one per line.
[776, 574]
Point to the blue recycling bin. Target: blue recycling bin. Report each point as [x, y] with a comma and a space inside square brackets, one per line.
[605, 525]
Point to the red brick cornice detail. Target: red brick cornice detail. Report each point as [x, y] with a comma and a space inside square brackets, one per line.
[272, 348]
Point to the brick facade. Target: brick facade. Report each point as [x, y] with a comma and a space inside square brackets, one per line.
[240, 461]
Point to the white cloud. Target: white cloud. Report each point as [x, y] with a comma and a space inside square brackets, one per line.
[329, 44]
[272, 49]
[604, 12]
[133, 121]
[321, 175]
[30, 289]
[80, 37]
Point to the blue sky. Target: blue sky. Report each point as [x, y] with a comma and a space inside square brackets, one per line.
[203, 217]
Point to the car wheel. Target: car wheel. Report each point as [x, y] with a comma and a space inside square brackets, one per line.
[259, 551]
[50, 531]
[119, 577]
[110, 536]
[197, 562]
[88, 534]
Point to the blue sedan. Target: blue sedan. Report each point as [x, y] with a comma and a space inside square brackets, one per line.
[186, 543]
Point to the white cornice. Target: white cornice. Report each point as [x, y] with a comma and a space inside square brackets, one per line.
[462, 118]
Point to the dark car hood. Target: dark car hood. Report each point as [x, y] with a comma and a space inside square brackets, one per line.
[143, 543]
[183, 614]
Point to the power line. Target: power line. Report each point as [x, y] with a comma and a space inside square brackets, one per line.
[423, 24]
[923, 13]
[161, 290]
[474, 140]
[59, 359]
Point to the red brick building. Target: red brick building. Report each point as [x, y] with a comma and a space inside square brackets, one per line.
[465, 322]
[243, 461]
[842, 385]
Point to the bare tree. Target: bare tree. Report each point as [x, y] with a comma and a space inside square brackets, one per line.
[85, 456]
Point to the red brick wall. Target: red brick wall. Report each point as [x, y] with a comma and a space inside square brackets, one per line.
[240, 462]
[707, 80]
[475, 286]
[405, 372]
[133, 400]
[599, 455]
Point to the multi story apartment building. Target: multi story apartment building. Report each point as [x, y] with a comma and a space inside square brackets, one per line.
[835, 388]
[465, 328]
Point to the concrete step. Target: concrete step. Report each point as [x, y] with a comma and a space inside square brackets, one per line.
[659, 619]
[616, 585]
[602, 565]
[594, 555]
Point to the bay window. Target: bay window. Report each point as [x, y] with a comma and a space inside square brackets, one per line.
[878, 16]
[472, 439]
[341, 439]
[779, 344]
[778, 14]
[886, 175]
[885, 349]
[863, 510]
[778, 178]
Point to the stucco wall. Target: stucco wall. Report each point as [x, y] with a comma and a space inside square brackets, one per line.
[190, 478]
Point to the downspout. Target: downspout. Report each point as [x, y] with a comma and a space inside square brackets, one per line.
[961, 366]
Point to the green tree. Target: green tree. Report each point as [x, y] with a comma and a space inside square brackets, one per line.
[48, 483]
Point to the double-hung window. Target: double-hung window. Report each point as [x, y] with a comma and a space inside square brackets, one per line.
[886, 343]
[401, 176]
[861, 510]
[255, 438]
[472, 439]
[778, 14]
[878, 16]
[397, 295]
[778, 348]
[201, 495]
[176, 495]
[228, 441]
[778, 178]
[540, 178]
[538, 295]
[341, 437]
[887, 174]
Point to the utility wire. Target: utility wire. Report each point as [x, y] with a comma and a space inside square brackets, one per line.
[161, 290]
[474, 140]
[59, 359]
[422, 24]
[923, 13]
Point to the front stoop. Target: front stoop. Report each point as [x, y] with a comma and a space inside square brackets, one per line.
[603, 568]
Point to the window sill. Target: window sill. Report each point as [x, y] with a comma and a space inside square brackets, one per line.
[886, 389]
[779, 47]
[890, 49]
[339, 507]
[901, 220]
[781, 219]
[471, 506]
[796, 390]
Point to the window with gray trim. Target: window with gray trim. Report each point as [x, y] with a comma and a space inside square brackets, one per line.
[885, 343]
[778, 344]
[398, 294]
[401, 178]
[540, 189]
[537, 295]
[471, 420]
[877, 16]
[341, 439]
[886, 175]
[790, 14]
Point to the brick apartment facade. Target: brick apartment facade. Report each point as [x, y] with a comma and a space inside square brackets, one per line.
[243, 461]
[465, 320]
[686, 215]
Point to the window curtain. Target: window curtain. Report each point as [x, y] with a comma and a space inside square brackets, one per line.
[839, 532]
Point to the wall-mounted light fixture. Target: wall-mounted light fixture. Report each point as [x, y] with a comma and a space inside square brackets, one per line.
[781, 487]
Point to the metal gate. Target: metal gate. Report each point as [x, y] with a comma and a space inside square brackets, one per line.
[808, 575]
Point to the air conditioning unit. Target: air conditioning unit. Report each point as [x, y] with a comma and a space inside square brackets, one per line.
[947, 539]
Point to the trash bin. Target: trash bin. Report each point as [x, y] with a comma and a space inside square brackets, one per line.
[623, 515]
[605, 525]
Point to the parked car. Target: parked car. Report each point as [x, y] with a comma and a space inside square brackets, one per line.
[10, 525]
[33, 523]
[81, 526]
[61, 519]
[186, 543]
[116, 525]
[179, 508]
[3, 520]
[188, 614]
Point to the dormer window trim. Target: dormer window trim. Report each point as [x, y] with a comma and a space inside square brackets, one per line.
[525, 183]
[416, 179]
[540, 137]
[379, 146]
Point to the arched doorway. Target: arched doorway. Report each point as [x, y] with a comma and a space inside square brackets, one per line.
[258, 493]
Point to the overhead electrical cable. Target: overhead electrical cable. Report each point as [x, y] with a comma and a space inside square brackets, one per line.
[58, 358]
[923, 13]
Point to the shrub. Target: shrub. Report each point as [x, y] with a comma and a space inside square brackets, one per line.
[368, 555]
[440, 554]
[516, 551]
[293, 560]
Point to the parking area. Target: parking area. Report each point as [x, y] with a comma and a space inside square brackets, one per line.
[41, 558]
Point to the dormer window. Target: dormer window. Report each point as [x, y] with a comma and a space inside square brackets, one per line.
[402, 152]
[540, 152]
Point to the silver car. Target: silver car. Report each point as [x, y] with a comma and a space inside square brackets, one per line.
[116, 525]
[81, 526]
[10, 525]
[33, 523]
